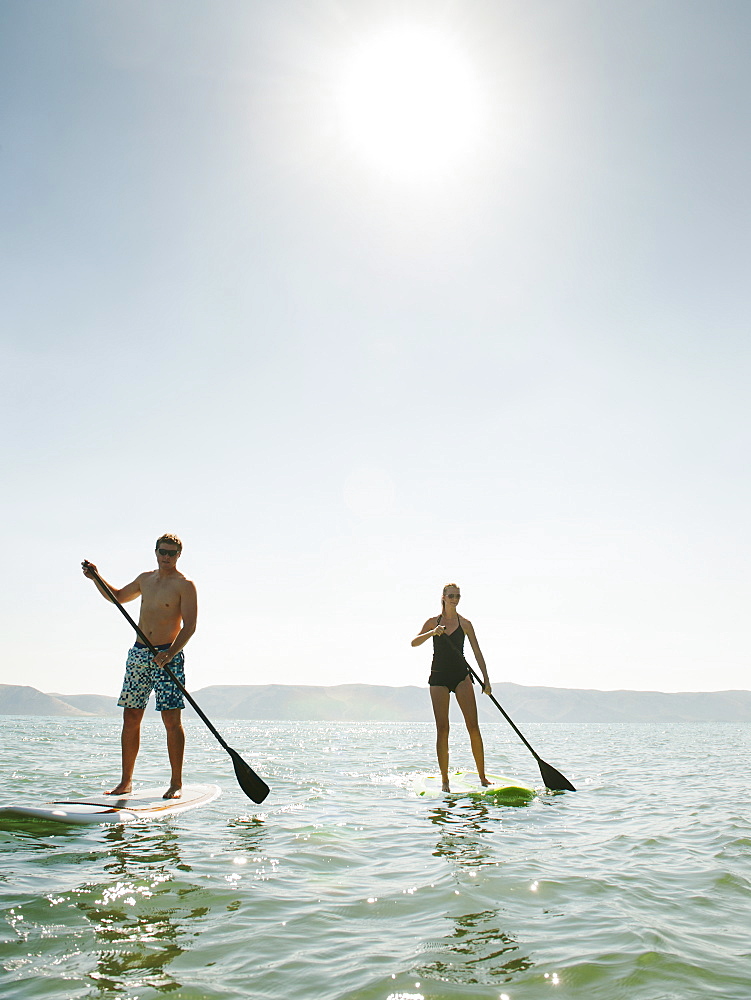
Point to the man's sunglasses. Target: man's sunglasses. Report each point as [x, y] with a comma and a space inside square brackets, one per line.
[168, 552]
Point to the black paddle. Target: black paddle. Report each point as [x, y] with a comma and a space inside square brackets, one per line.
[552, 779]
[253, 786]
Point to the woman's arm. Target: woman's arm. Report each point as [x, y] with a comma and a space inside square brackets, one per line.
[429, 629]
[470, 634]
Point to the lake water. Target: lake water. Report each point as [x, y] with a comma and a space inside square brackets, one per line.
[345, 885]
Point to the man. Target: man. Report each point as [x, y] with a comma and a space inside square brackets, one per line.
[169, 609]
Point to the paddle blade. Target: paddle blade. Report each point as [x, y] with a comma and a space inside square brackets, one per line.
[253, 786]
[553, 779]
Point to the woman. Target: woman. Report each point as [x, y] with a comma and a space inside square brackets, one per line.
[450, 672]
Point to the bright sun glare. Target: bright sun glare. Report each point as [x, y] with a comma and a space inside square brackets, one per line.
[409, 102]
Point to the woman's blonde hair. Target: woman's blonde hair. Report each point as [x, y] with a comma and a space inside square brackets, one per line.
[443, 603]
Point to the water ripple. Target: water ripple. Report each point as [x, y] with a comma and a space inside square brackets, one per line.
[345, 885]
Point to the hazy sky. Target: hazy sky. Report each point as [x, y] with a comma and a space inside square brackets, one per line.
[360, 298]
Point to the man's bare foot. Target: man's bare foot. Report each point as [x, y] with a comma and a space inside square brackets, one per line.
[484, 782]
[445, 786]
[124, 788]
[173, 792]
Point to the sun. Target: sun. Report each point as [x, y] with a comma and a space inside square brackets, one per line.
[409, 102]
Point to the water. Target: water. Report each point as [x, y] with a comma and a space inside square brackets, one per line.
[344, 885]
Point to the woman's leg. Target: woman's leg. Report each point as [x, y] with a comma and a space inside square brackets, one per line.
[465, 695]
[440, 696]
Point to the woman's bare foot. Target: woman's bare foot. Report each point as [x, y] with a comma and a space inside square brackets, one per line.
[124, 788]
[173, 792]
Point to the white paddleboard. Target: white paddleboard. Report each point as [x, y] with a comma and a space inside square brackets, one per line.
[147, 803]
[504, 791]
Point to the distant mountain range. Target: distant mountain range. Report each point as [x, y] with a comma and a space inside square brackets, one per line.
[370, 702]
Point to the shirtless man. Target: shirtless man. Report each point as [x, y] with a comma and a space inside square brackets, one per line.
[168, 616]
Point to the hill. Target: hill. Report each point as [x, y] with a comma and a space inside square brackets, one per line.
[17, 699]
[362, 702]
[370, 702]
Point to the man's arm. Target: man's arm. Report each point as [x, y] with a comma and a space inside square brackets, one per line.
[127, 593]
[189, 614]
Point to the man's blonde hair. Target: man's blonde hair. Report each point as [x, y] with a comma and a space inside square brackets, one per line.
[171, 539]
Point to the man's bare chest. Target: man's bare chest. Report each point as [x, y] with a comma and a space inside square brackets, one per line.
[161, 596]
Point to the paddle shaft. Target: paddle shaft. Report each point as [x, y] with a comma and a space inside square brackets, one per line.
[552, 777]
[145, 640]
[495, 701]
[504, 713]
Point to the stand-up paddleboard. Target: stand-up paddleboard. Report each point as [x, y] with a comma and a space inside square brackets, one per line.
[502, 790]
[147, 803]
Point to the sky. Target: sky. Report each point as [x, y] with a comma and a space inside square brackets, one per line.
[361, 298]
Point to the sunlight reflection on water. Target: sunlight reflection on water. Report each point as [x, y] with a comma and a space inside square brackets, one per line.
[349, 886]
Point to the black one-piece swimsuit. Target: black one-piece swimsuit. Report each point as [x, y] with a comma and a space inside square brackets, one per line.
[447, 669]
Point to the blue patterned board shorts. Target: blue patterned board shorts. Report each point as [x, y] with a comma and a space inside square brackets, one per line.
[141, 676]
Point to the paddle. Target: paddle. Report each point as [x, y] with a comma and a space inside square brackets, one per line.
[253, 786]
[552, 778]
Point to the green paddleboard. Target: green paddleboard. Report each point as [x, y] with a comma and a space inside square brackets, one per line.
[504, 791]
